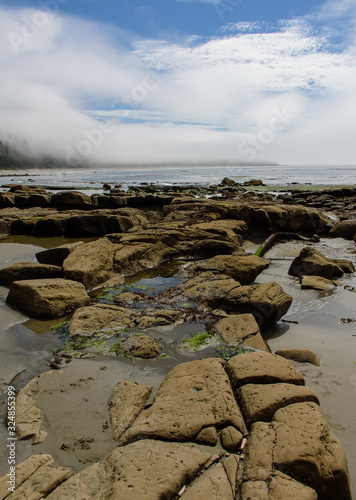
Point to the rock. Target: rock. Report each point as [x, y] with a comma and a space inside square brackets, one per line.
[7, 199]
[135, 471]
[210, 289]
[231, 438]
[311, 262]
[99, 318]
[56, 256]
[242, 268]
[253, 182]
[192, 397]
[29, 420]
[241, 328]
[259, 402]
[316, 283]
[126, 298]
[226, 228]
[228, 182]
[261, 368]
[71, 199]
[140, 346]
[47, 298]
[126, 403]
[298, 443]
[277, 486]
[344, 229]
[213, 483]
[157, 318]
[267, 302]
[35, 478]
[300, 355]
[90, 263]
[28, 271]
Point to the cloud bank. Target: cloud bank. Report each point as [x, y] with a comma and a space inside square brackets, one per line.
[85, 91]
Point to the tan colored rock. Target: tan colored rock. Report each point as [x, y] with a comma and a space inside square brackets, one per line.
[231, 438]
[261, 368]
[300, 355]
[126, 299]
[345, 229]
[213, 483]
[91, 263]
[192, 397]
[99, 318]
[311, 262]
[259, 402]
[242, 268]
[49, 298]
[212, 292]
[56, 256]
[140, 346]
[29, 418]
[278, 486]
[71, 199]
[148, 469]
[28, 271]
[35, 479]
[241, 328]
[161, 317]
[223, 227]
[127, 401]
[316, 283]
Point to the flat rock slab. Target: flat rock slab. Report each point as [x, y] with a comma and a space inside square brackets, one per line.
[193, 397]
[299, 355]
[316, 283]
[48, 298]
[261, 368]
[259, 402]
[29, 271]
[147, 469]
[99, 318]
[56, 256]
[241, 328]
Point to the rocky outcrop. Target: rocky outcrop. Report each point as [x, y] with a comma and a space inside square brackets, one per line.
[91, 263]
[344, 229]
[311, 262]
[157, 318]
[48, 298]
[29, 271]
[99, 318]
[241, 328]
[29, 418]
[71, 199]
[242, 268]
[56, 256]
[140, 346]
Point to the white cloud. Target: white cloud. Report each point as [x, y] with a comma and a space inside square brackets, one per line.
[196, 100]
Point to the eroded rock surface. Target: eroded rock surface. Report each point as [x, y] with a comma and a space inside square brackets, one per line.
[99, 318]
[312, 262]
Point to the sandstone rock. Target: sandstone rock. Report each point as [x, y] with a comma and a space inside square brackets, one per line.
[99, 318]
[213, 483]
[345, 229]
[90, 263]
[140, 346]
[160, 317]
[277, 486]
[71, 199]
[241, 328]
[226, 228]
[126, 298]
[311, 262]
[231, 438]
[135, 471]
[126, 403]
[192, 397]
[56, 256]
[210, 289]
[28, 271]
[261, 368]
[29, 420]
[300, 355]
[242, 268]
[259, 402]
[47, 298]
[316, 283]
[267, 302]
[35, 478]
[7, 199]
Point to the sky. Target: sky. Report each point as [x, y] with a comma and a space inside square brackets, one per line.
[104, 82]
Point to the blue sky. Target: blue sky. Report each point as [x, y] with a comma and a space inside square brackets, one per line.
[180, 80]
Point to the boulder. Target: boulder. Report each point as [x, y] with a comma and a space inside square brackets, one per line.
[231, 438]
[192, 397]
[259, 402]
[148, 469]
[71, 199]
[276, 486]
[242, 268]
[299, 355]
[157, 318]
[241, 328]
[28, 271]
[261, 368]
[99, 318]
[35, 478]
[91, 263]
[311, 262]
[56, 256]
[140, 346]
[127, 401]
[344, 229]
[316, 283]
[48, 298]
[210, 289]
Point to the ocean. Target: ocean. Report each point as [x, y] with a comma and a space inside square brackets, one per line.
[276, 175]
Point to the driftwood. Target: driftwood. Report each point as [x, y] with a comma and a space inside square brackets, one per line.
[277, 237]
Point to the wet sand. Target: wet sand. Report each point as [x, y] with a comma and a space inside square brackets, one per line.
[75, 400]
